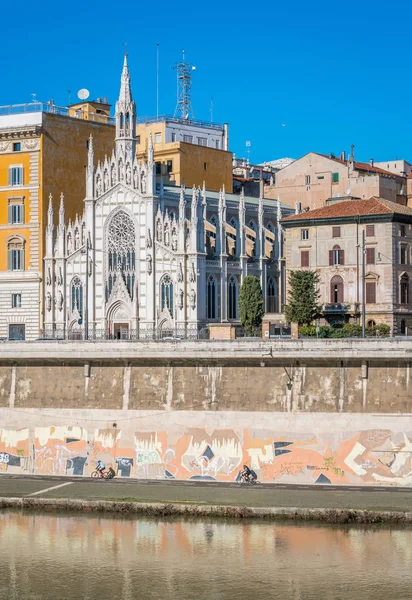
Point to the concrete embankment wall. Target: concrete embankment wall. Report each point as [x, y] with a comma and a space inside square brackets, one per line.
[303, 412]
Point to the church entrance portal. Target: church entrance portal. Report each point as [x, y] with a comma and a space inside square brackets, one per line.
[120, 331]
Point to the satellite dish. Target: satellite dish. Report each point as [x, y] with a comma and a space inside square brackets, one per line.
[83, 94]
[348, 191]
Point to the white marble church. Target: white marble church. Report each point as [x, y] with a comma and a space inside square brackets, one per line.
[145, 262]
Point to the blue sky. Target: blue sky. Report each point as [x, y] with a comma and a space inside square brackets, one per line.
[291, 77]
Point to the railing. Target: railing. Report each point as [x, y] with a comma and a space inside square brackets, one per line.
[168, 118]
[248, 332]
[144, 333]
[48, 107]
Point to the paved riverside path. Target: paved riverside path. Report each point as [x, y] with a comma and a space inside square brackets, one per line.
[210, 492]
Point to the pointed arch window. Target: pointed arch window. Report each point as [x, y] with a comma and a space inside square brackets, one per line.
[121, 256]
[77, 295]
[211, 297]
[272, 295]
[404, 289]
[232, 298]
[166, 293]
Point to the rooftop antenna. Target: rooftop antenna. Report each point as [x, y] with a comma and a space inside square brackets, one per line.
[33, 97]
[184, 70]
[69, 93]
[211, 111]
[157, 81]
[248, 146]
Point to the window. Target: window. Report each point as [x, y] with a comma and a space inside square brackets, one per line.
[169, 166]
[403, 327]
[271, 295]
[335, 232]
[232, 298]
[404, 255]
[370, 256]
[402, 230]
[158, 166]
[16, 214]
[202, 141]
[304, 258]
[321, 177]
[335, 177]
[404, 289]
[138, 139]
[217, 145]
[370, 295]
[304, 234]
[158, 138]
[336, 256]
[371, 323]
[77, 295]
[15, 254]
[211, 298]
[370, 230]
[307, 179]
[205, 166]
[16, 147]
[16, 300]
[15, 175]
[188, 139]
[166, 293]
[336, 290]
[17, 332]
[173, 137]
[121, 252]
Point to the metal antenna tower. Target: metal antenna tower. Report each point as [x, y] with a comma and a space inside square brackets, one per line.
[184, 70]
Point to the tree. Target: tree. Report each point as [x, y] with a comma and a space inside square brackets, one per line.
[303, 297]
[251, 302]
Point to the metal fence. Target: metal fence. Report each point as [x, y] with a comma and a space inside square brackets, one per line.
[192, 332]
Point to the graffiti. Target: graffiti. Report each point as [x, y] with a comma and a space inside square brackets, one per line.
[350, 457]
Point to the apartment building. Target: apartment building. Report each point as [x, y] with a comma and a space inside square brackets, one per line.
[328, 240]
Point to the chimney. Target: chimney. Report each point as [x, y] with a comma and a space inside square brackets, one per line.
[371, 162]
[343, 156]
[105, 100]
[99, 100]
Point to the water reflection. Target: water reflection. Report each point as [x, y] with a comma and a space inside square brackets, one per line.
[90, 558]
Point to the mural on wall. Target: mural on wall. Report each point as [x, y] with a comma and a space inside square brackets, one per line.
[368, 457]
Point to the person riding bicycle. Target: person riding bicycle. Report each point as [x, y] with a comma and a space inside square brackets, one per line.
[245, 473]
[100, 467]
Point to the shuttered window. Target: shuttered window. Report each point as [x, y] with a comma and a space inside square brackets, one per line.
[370, 256]
[304, 258]
[370, 230]
[336, 256]
[370, 295]
[335, 232]
[15, 175]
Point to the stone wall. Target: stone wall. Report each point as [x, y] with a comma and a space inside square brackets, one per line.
[332, 411]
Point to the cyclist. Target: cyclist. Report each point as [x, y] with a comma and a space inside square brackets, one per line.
[100, 467]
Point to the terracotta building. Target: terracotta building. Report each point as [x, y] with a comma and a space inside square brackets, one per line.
[329, 240]
[311, 180]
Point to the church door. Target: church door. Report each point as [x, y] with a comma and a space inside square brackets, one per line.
[120, 331]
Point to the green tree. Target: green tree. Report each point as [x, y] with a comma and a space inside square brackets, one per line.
[303, 299]
[250, 303]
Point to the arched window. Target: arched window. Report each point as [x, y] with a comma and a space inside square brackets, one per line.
[336, 256]
[251, 240]
[166, 293]
[127, 125]
[271, 295]
[336, 290]
[404, 289]
[77, 295]
[371, 323]
[121, 121]
[403, 327]
[232, 298]
[15, 254]
[121, 241]
[211, 297]
[76, 239]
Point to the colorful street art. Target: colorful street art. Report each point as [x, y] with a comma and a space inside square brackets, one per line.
[363, 457]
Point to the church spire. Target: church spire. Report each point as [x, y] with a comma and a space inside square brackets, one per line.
[125, 89]
[125, 117]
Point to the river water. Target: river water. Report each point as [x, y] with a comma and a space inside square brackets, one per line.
[64, 557]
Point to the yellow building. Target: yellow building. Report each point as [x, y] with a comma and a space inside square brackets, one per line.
[43, 151]
[187, 151]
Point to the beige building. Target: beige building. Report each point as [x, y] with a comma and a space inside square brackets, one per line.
[329, 240]
[311, 180]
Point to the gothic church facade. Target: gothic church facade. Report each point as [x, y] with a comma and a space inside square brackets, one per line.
[142, 261]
